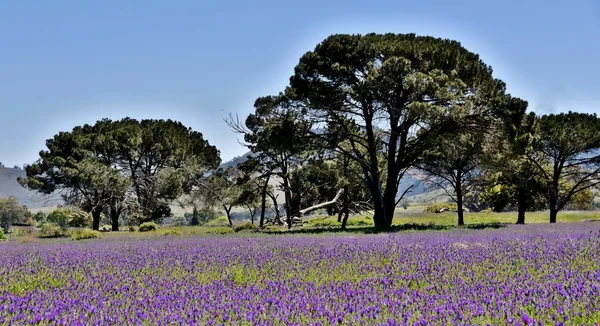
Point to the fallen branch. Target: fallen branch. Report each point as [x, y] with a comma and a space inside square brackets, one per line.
[321, 205]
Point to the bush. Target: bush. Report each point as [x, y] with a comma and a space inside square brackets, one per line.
[51, 230]
[60, 217]
[132, 228]
[172, 232]
[245, 226]
[105, 228]
[221, 230]
[40, 217]
[441, 207]
[84, 234]
[221, 221]
[148, 226]
[2, 236]
[79, 219]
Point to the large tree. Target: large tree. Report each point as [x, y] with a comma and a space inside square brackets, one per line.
[71, 168]
[566, 155]
[510, 176]
[116, 165]
[401, 92]
[279, 137]
[163, 160]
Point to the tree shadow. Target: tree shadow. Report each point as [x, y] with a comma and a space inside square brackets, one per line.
[373, 230]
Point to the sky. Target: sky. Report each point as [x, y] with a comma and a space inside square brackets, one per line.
[67, 63]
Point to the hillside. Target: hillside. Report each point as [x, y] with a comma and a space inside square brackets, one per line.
[10, 187]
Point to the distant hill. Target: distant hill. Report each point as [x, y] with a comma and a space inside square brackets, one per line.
[10, 187]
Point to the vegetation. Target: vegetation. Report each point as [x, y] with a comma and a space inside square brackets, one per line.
[12, 213]
[51, 230]
[131, 166]
[245, 226]
[147, 226]
[84, 234]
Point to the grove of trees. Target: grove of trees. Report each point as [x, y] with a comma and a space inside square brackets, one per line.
[360, 111]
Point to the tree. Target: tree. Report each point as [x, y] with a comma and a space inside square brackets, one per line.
[397, 93]
[453, 165]
[163, 159]
[279, 135]
[221, 189]
[11, 213]
[566, 155]
[39, 217]
[122, 165]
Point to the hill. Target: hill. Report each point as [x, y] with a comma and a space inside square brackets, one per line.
[10, 187]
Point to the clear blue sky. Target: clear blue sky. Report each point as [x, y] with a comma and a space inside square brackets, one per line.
[66, 63]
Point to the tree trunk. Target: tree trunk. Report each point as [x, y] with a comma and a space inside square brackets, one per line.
[345, 208]
[552, 202]
[553, 214]
[114, 217]
[228, 211]
[459, 202]
[96, 215]
[276, 208]
[521, 206]
[251, 210]
[288, 199]
[379, 217]
[263, 206]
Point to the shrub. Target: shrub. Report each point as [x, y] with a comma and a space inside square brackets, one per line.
[51, 230]
[148, 226]
[131, 228]
[172, 232]
[221, 230]
[245, 226]
[79, 219]
[60, 217]
[441, 207]
[40, 217]
[2, 236]
[221, 221]
[84, 234]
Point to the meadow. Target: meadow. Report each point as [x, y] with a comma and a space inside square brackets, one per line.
[537, 274]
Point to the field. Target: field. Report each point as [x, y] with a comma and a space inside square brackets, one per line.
[503, 274]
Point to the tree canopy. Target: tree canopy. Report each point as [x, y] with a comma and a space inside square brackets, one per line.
[392, 96]
[126, 165]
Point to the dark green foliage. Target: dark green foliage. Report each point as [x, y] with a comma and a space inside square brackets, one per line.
[147, 226]
[566, 155]
[40, 217]
[391, 97]
[51, 230]
[96, 166]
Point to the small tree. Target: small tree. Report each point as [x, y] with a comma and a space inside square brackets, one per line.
[566, 155]
[453, 165]
[11, 213]
[60, 217]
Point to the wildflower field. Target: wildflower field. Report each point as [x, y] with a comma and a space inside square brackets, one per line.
[528, 275]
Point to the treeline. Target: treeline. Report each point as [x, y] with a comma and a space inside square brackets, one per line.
[359, 112]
